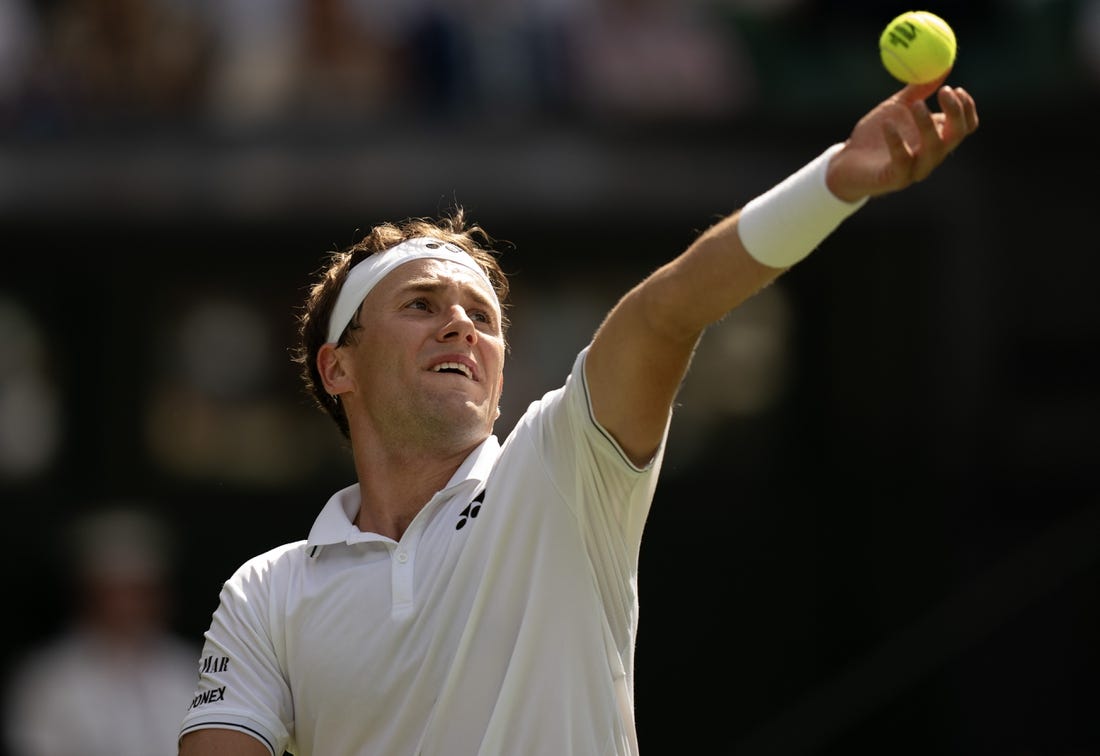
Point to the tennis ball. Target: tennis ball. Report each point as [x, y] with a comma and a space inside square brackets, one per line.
[917, 47]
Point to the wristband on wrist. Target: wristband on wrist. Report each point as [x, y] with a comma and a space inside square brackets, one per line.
[786, 223]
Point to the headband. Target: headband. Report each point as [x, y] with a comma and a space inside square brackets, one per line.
[370, 270]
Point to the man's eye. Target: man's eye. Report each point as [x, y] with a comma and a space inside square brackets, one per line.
[418, 304]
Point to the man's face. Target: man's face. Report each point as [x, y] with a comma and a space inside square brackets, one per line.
[428, 360]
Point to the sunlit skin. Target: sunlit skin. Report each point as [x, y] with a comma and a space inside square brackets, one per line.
[411, 423]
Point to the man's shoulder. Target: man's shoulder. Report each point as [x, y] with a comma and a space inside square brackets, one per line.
[273, 562]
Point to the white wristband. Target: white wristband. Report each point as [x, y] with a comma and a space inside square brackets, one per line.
[786, 223]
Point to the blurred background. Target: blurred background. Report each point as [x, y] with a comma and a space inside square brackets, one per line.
[878, 525]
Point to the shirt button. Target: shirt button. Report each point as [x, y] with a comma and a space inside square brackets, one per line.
[402, 556]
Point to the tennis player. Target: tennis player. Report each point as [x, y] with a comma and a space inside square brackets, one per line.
[473, 596]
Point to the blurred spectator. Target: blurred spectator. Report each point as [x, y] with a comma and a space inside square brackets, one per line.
[661, 59]
[438, 60]
[515, 56]
[252, 67]
[18, 39]
[347, 67]
[108, 60]
[118, 681]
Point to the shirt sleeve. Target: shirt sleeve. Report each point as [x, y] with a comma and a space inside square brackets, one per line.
[242, 682]
[592, 472]
[610, 496]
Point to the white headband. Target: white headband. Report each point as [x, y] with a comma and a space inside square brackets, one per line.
[370, 270]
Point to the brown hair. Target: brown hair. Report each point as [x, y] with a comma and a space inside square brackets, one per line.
[313, 317]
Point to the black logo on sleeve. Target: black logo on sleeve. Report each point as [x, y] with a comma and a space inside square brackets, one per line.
[471, 510]
[211, 665]
[208, 696]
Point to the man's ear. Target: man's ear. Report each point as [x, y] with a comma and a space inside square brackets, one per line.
[331, 368]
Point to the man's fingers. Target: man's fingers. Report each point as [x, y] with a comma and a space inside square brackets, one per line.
[954, 118]
[930, 148]
[960, 116]
[917, 92]
[970, 109]
[900, 155]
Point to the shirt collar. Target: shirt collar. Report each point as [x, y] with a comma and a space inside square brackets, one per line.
[336, 522]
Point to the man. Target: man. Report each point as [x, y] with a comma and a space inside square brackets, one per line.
[470, 597]
[118, 645]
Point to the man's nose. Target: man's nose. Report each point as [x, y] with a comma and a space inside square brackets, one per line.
[459, 325]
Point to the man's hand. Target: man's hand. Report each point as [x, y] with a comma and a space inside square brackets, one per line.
[901, 141]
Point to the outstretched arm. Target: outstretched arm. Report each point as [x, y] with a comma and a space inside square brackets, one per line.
[642, 350]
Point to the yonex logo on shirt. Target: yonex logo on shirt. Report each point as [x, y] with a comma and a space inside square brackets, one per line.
[208, 696]
[471, 510]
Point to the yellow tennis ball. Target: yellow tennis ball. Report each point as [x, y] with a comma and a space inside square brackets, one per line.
[917, 47]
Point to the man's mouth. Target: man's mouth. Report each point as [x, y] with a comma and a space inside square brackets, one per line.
[453, 367]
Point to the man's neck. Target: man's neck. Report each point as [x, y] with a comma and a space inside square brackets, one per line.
[395, 486]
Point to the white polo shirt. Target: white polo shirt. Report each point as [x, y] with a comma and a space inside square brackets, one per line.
[502, 623]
